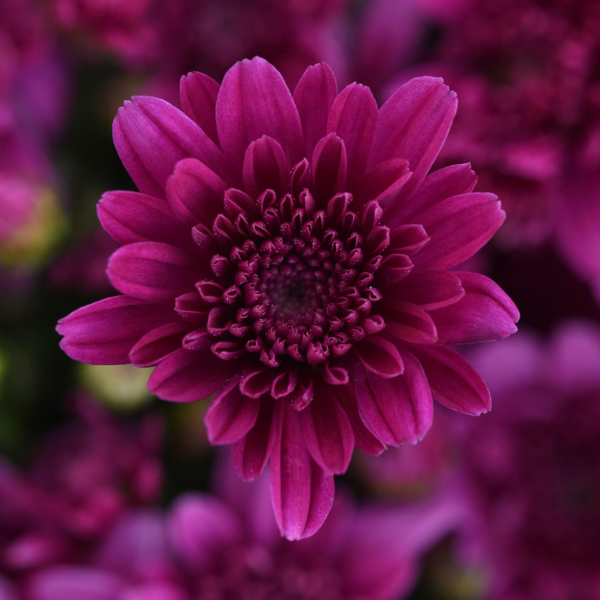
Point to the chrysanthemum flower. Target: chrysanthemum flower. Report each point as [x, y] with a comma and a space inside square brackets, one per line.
[291, 255]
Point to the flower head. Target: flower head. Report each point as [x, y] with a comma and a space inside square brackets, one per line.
[291, 255]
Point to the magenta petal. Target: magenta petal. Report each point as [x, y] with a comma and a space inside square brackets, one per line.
[130, 217]
[192, 308]
[395, 267]
[454, 180]
[251, 453]
[453, 380]
[151, 137]
[429, 289]
[200, 527]
[254, 101]
[314, 96]
[353, 118]
[152, 271]
[230, 416]
[413, 124]
[190, 375]
[195, 193]
[265, 167]
[408, 322]
[327, 431]
[396, 410]
[484, 314]
[257, 382]
[458, 227]
[380, 356]
[363, 438]
[103, 333]
[329, 165]
[383, 182]
[198, 93]
[302, 492]
[158, 344]
[408, 239]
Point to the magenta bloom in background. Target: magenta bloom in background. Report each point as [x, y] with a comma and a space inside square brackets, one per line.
[209, 547]
[85, 477]
[533, 467]
[527, 75]
[291, 254]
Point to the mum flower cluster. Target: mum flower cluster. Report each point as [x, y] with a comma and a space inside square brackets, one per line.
[291, 254]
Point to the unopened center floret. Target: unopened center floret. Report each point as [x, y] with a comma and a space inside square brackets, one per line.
[303, 284]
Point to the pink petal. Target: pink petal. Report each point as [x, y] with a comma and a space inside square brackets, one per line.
[153, 271]
[231, 415]
[383, 182]
[265, 167]
[152, 136]
[454, 180]
[458, 227]
[198, 93]
[396, 410]
[413, 124]
[257, 381]
[254, 101]
[284, 384]
[192, 308]
[453, 380]
[195, 193]
[429, 289]
[302, 492]
[380, 356]
[158, 344]
[353, 118]
[327, 432]
[363, 438]
[408, 239]
[314, 96]
[130, 217]
[395, 267]
[200, 527]
[251, 453]
[484, 314]
[408, 322]
[190, 375]
[329, 165]
[103, 333]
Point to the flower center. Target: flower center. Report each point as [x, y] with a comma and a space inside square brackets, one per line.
[295, 290]
[302, 279]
